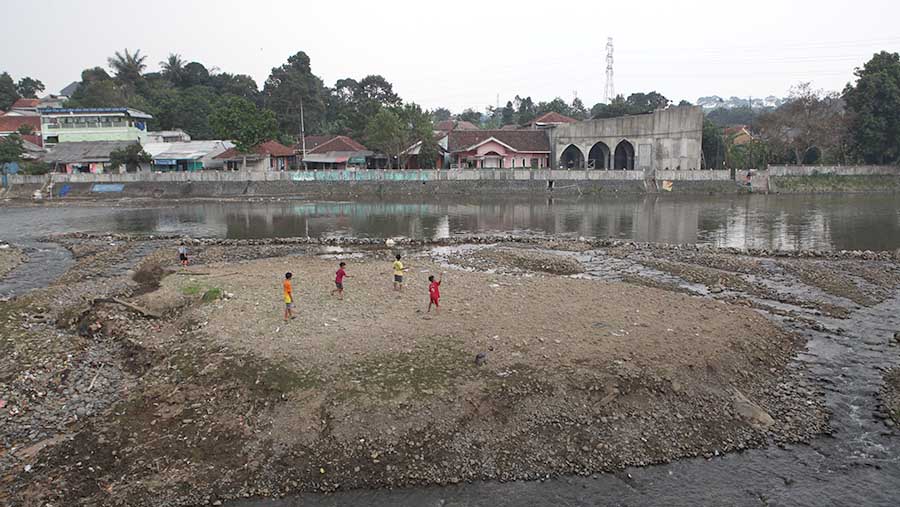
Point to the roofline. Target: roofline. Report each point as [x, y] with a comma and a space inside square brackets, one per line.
[96, 110]
[495, 140]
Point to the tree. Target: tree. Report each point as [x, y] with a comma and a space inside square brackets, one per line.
[11, 149]
[385, 133]
[729, 117]
[239, 85]
[241, 121]
[526, 111]
[616, 107]
[470, 115]
[712, 145]
[636, 103]
[132, 156]
[128, 66]
[8, 92]
[25, 129]
[29, 88]
[508, 114]
[194, 74]
[98, 94]
[418, 128]
[378, 90]
[441, 114]
[646, 102]
[556, 105]
[874, 102]
[578, 110]
[288, 87]
[805, 121]
[173, 69]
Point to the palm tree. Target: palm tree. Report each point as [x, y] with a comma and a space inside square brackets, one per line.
[128, 67]
[173, 68]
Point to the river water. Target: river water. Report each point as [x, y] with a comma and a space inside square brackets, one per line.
[859, 464]
[784, 222]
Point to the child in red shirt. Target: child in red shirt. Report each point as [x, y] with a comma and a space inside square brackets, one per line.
[434, 293]
[339, 281]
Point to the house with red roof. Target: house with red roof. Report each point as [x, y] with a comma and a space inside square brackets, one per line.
[28, 107]
[267, 156]
[550, 120]
[448, 125]
[499, 149]
[12, 124]
[336, 152]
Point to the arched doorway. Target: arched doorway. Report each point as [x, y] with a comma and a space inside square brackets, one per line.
[624, 157]
[571, 158]
[598, 158]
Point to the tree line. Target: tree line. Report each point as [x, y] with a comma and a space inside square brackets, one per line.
[860, 124]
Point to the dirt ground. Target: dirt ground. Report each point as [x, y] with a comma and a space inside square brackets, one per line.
[165, 386]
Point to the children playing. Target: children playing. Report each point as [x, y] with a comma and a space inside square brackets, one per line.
[339, 281]
[398, 274]
[434, 293]
[288, 297]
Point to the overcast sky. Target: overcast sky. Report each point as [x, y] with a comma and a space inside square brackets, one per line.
[460, 53]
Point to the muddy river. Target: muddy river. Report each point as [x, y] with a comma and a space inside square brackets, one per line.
[857, 464]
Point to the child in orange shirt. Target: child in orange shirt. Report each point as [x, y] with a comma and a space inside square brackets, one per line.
[288, 297]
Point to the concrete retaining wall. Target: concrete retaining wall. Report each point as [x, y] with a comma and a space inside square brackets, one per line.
[823, 179]
[847, 170]
[351, 183]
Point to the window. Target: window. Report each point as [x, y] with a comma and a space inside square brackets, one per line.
[534, 163]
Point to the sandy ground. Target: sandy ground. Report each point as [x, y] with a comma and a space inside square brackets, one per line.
[541, 322]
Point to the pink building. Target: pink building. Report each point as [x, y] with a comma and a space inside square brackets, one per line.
[499, 149]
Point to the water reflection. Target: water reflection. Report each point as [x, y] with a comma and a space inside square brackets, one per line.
[757, 221]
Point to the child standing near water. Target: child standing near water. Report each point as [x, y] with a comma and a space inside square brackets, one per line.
[434, 293]
[288, 297]
[339, 281]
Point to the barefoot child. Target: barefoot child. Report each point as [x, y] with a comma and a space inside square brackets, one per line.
[339, 281]
[288, 297]
[434, 293]
[398, 274]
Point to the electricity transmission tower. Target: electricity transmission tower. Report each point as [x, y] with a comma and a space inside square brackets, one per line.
[610, 92]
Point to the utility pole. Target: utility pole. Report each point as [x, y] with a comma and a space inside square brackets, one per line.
[610, 92]
[302, 134]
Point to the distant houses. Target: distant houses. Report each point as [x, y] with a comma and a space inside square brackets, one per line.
[268, 156]
[82, 139]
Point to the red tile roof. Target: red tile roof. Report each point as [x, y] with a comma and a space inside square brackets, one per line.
[312, 142]
[12, 123]
[553, 117]
[272, 148]
[448, 125]
[527, 140]
[337, 143]
[26, 103]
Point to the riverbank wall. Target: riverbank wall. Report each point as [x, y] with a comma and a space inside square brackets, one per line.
[350, 184]
[361, 183]
[824, 179]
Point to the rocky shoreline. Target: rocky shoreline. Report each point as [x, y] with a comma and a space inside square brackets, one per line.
[10, 257]
[121, 386]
